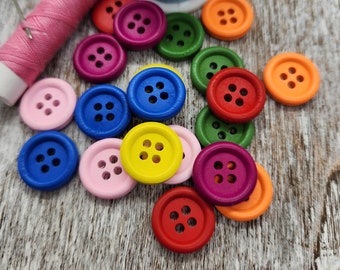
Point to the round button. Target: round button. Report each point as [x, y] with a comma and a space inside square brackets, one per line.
[224, 173]
[99, 58]
[48, 105]
[182, 221]
[210, 129]
[140, 25]
[183, 39]
[156, 94]
[102, 111]
[104, 12]
[227, 19]
[151, 153]
[170, 6]
[191, 148]
[101, 171]
[208, 62]
[257, 203]
[48, 160]
[236, 95]
[291, 78]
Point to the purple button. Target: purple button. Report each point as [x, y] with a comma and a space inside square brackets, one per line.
[140, 25]
[224, 173]
[99, 58]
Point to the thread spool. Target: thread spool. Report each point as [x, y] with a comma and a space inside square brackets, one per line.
[22, 59]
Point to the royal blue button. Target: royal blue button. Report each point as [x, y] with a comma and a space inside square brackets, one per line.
[48, 160]
[156, 94]
[102, 112]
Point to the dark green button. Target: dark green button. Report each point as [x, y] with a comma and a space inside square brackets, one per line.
[210, 129]
[208, 62]
[184, 37]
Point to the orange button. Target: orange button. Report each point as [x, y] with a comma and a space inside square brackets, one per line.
[291, 78]
[258, 202]
[227, 19]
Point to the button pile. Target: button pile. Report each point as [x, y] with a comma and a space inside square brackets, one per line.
[224, 173]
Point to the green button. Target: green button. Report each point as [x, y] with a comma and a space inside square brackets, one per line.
[208, 62]
[210, 129]
[184, 37]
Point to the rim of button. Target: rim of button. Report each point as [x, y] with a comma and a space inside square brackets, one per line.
[224, 173]
[182, 221]
[291, 78]
[48, 104]
[236, 95]
[99, 58]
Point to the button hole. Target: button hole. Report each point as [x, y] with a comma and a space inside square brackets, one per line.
[100, 50]
[98, 118]
[113, 159]
[174, 215]
[169, 38]
[228, 98]
[48, 111]
[233, 20]
[180, 43]
[186, 210]
[45, 168]
[101, 164]
[243, 92]
[216, 125]
[40, 158]
[283, 76]
[147, 21]
[148, 89]
[221, 135]
[213, 65]
[156, 159]
[209, 75]
[223, 67]
[97, 106]
[56, 162]
[218, 165]
[117, 170]
[118, 3]
[231, 178]
[92, 57]
[233, 131]
[192, 222]
[292, 70]
[232, 87]
[159, 146]
[99, 64]
[108, 57]
[106, 175]
[231, 11]
[179, 228]
[137, 16]
[48, 96]
[300, 78]
[131, 25]
[147, 143]
[231, 165]
[40, 105]
[239, 102]
[109, 105]
[187, 33]
[141, 30]
[51, 151]
[110, 116]
[56, 103]
[220, 13]
[143, 155]
[164, 95]
[153, 99]
[223, 22]
[109, 9]
[291, 85]
[160, 85]
[175, 27]
[218, 178]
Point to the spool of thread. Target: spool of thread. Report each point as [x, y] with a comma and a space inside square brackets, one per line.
[22, 59]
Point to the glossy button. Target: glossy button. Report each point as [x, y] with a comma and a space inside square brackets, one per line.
[156, 94]
[151, 153]
[99, 58]
[101, 171]
[257, 203]
[104, 13]
[224, 173]
[102, 111]
[48, 105]
[227, 19]
[209, 61]
[210, 129]
[236, 95]
[170, 6]
[182, 221]
[140, 25]
[291, 78]
[191, 148]
[48, 160]
[184, 37]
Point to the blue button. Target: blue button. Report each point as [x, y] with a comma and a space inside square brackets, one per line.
[48, 160]
[102, 112]
[156, 94]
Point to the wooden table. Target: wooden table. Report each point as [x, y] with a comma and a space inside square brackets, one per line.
[298, 146]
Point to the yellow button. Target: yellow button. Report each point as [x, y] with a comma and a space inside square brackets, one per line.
[151, 153]
[160, 65]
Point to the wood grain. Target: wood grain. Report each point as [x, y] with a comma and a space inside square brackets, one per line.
[299, 147]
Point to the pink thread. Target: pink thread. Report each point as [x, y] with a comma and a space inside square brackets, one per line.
[51, 23]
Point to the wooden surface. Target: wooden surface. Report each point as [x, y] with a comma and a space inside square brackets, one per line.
[299, 147]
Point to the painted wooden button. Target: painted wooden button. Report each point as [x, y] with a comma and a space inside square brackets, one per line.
[101, 171]
[48, 160]
[140, 25]
[227, 19]
[210, 129]
[102, 111]
[151, 153]
[224, 173]
[291, 78]
[48, 104]
[183, 39]
[182, 221]
[257, 203]
[208, 62]
[236, 95]
[99, 58]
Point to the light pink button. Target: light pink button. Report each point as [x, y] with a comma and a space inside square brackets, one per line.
[191, 148]
[48, 104]
[101, 171]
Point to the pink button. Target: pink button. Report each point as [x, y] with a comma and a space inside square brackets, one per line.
[48, 105]
[140, 25]
[101, 171]
[191, 148]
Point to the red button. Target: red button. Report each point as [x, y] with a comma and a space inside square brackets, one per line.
[182, 221]
[236, 95]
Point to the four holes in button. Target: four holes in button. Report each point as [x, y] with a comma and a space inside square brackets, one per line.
[230, 166]
[141, 29]
[117, 170]
[153, 98]
[214, 68]
[232, 88]
[225, 18]
[48, 97]
[109, 116]
[158, 147]
[292, 74]
[98, 63]
[40, 158]
[191, 221]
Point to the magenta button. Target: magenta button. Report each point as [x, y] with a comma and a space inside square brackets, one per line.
[224, 173]
[140, 25]
[99, 58]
